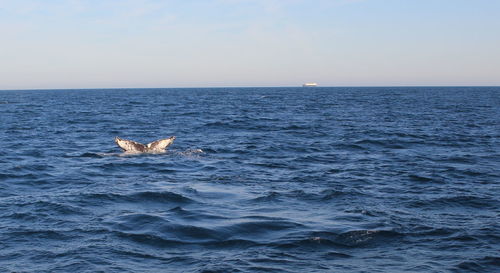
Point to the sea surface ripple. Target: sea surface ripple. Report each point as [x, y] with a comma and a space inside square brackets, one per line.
[258, 180]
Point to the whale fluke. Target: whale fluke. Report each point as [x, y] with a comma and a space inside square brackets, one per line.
[157, 146]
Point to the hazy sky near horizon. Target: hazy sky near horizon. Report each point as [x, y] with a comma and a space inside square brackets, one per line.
[205, 43]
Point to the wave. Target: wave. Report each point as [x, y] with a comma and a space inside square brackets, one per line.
[135, 254]
[269, 197]
[163, 242]
[421, 178]
[382, 143]
[180, 226]
[260, 228]
[350, 239]
[192, 152]
[480, 264]
[139, 197]
[29, 177]
[364, 237]
[40, 234]
[34, 208]
[192, 215]
[324, 195]
[456, 201]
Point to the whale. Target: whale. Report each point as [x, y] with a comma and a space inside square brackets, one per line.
[158, 146]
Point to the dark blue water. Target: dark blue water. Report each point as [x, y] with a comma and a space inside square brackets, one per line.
[258, 180]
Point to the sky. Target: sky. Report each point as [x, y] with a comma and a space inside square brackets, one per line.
[48, 44]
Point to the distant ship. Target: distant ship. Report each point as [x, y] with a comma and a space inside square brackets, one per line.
[310, 84]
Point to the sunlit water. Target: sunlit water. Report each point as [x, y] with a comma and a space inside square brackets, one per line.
[258, 180]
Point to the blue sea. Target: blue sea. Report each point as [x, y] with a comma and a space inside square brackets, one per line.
[379, 179]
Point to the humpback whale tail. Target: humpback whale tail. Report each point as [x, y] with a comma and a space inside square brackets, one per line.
[157, 146]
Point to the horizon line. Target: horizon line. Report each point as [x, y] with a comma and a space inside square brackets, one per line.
[225, 87]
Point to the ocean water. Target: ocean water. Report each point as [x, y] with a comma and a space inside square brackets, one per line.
[258, 180]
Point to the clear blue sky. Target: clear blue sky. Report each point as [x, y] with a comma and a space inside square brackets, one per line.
[204, 43]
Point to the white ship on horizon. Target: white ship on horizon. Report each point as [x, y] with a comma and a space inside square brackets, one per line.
[310, 84]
